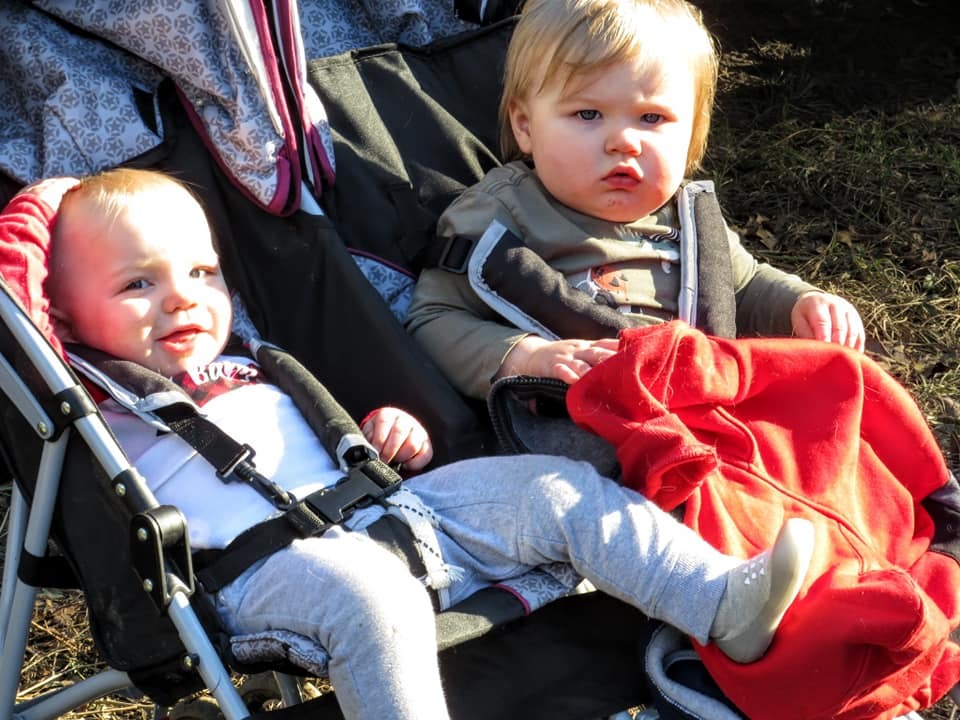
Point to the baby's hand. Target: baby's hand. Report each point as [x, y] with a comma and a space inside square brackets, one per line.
[398, 437]
[822, 316]
[51, 190]
[566, 360]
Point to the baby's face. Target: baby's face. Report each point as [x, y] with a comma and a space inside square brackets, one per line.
[613, 142]
[145, 286]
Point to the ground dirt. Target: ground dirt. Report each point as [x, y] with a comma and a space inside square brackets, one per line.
[836, 150]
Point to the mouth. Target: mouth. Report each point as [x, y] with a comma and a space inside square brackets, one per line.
[182, 338]
[623, 176]
[626, 172]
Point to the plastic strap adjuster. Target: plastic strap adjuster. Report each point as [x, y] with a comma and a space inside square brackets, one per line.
[353, 449]
[455, 255]
[244, 454]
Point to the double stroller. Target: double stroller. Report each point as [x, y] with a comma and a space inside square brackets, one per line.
[80, 516]
[322, 180]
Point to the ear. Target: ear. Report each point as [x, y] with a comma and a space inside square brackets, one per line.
[520, 124]
[62, 327]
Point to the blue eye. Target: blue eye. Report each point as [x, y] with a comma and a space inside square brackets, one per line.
[651, 118]
[139, 284]
[588, 114]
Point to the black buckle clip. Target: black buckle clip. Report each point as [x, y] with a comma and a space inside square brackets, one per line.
[455, 256]
[338, 503]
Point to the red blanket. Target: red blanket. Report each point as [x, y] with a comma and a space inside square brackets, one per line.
[748, 432]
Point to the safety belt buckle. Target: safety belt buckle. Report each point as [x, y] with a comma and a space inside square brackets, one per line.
[337, 503]
[305, 520]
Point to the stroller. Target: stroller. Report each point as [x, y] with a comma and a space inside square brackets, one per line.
[75, 487]
[388, 116]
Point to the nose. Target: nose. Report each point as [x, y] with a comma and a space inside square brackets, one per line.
[624, 140]
[179, 296]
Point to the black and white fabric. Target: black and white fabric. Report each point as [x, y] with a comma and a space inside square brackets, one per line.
[79, 83]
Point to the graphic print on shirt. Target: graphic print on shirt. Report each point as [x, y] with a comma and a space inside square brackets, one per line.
[205, 383]
[618, 284]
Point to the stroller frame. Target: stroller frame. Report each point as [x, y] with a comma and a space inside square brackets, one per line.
[29, 530]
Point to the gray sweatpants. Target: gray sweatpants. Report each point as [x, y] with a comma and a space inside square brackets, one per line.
[499, 517]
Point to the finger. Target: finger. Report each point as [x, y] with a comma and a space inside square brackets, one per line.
[839, 328]
[802, 329]
[857, 341]
[377, 431]
[370, 430]
[857, 336]
[821, 322]
[612, 344]
[416, 452]
[598, 355]
[573, 369]
[392, 443]
[593, 351]
[564, 372]
[423, 457]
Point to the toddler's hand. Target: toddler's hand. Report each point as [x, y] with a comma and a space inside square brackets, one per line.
[51, 190]
[398, 437]
[566, 360]
[822, 316]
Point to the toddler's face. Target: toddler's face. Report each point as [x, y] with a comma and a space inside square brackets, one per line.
[145, 286]
[613, 143]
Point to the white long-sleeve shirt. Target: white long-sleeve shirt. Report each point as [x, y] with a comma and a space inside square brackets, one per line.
[254, 412]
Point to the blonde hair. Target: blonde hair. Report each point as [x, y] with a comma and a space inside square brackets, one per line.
[113, 191]
[558, 40]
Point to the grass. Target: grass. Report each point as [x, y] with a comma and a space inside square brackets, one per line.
[836, 151]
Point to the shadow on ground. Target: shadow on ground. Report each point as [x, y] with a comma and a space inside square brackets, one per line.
[862, 55]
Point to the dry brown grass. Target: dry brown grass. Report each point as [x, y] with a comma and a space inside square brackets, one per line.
[836, 149]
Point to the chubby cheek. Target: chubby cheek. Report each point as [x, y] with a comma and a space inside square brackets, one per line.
[673, 159]
[566, 155]
[119, 334]
[662, 189]
[130, 347]
[566, 175]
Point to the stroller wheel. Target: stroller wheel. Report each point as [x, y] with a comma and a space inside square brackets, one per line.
[261, 692]
[202, 707]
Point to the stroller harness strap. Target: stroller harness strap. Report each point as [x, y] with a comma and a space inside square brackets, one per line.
[231, 460]
[522, 287]
[310, 517]
[366, 480]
